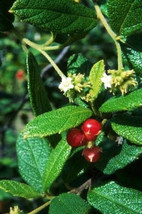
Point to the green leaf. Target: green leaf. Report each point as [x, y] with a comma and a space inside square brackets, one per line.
[74, 165]
[37, 93]
[113, 198]
[33, 155]
[55, 163]
[6, 18]
[125, 16]
[18, 189]
[56, 121]
[128, 154]
[135, 42]
[132, 59]
[123, 103]
[129, 127]
[95, 76]
[78, 64]
[69, 203]
[58, 16]
[110, 149]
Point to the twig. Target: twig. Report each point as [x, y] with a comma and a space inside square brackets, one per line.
[57, 60]
[84, 186]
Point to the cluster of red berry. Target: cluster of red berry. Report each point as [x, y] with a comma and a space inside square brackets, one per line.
[85, 136]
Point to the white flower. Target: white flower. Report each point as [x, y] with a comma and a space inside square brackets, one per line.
[119, 140]
[106, 79]
[66, 84]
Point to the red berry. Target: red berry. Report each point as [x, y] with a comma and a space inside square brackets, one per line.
[20, 74]
[76, 138]
[91, 129]
[92, 154]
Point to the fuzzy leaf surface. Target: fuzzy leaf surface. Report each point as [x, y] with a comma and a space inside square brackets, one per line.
[113, 198]
[69, 203]
[58, 16]
[129, 127]
[125, 16]
[33, 155]
[18, 189]
[78, 64]
[37, 93]
[133, 59]
[55, 163]
[123, 103]
[56, 121]
[127, 155]
[95, 76]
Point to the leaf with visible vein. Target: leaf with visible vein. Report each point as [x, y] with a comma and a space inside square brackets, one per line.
[58, 16]
[129, 127]
[56, 121]
[127, 155]
[69, 203]
[55, 163]
[37, 93]
[33, 155]
[18, 189]
[95, 76]
[113, 198]
[123, 103]
[125, 16]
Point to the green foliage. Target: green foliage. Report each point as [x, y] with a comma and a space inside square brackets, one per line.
[66, 16]
[132, 59]
[112, 197]
[69, 203]
[18, 189]
[123, 103]
[128, 154]
[6, 18]
[33, 156]
[56, 121]
[95, 76]
[129, 127]
[52, 169]
[37, 93]
[74, 166]
[121, 16]
[78, 64]
[55, 163]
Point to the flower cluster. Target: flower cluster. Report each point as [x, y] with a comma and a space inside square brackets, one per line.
[119, 80]
[73, 85]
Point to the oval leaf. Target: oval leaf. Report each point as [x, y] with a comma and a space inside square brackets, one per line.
[95, 76]
[129, 127]
[132, 58]
[112, 198]
[18, 189]
[56, 121]
[125, 16]
[56, 162]
[37, 93]
[128, 154]
[56, 16]
[123, 103]
[69, 203]
[33, 155]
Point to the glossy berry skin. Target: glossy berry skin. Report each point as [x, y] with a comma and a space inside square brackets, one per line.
[91, 129]
[76, 138]
[92, 154]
